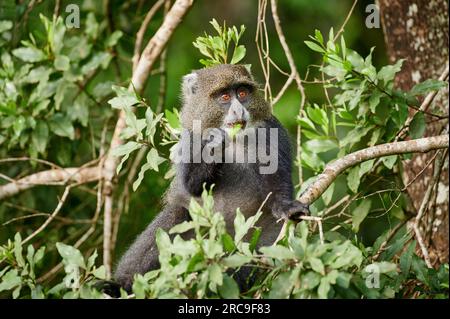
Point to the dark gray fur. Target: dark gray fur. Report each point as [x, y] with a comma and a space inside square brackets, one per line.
[236, 185]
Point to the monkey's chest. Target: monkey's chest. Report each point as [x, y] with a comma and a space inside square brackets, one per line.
[240, 187]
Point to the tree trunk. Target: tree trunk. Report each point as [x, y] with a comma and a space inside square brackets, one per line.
[417, 30]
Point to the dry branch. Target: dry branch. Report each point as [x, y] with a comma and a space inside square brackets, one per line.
[50, 177]
[139, 78]
[332, 170]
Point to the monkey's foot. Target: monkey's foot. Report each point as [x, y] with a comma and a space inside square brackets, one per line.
[296, 210]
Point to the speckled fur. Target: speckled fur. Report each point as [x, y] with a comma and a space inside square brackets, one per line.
[200, 106]
[237, 185]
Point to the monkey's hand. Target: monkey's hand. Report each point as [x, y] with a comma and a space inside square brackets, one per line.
[108, 287]
[217, 137]
[295, 210]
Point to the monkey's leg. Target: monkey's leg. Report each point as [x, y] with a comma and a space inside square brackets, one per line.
[142, 256]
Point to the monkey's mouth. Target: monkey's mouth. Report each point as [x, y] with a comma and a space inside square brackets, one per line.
[242, 123]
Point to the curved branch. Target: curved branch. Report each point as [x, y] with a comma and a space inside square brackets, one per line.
[139, 78]
[334, 169]
[51, 177]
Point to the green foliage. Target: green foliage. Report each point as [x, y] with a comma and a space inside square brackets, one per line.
[141, 132]
[217, 48]
[41, 96]
[298, 266]
[20, 272]
[366, 110]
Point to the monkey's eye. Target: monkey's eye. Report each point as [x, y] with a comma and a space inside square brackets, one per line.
[242, 93]
[225, 97]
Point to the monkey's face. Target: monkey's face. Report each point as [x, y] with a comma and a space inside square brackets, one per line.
[235, 101]
[222, 96]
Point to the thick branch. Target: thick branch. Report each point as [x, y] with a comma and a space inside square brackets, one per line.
[139, 78]
[51, 177]
[334, 169]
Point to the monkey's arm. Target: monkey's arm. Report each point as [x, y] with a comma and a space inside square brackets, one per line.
[194, 175]
[282, 200]
[142, 256]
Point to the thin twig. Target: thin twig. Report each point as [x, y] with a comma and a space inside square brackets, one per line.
[416, 226]
[52, 216]
[140, 34]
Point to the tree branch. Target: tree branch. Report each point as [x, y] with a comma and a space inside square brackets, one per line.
[139, 78]
[51, 177]
[332, 170]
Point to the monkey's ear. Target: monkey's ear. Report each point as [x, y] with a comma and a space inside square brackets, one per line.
[190, 84]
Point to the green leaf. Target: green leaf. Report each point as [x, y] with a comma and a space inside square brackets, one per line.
[255, 238]
[100, 272]
[181, 228]
[305, 122]
[100, 59]
[421, 270]
[39, 137]
[62, 63]
[360, 213]
[172, 118]
[242, 226]
[5, 25]
[427, 86]
[229, 289]
[365, 167]
[92, 26]
[153, 161]
[40, 74]
[318, 35]
[385, 267]
[310, 280]
[125, 148]
[10, 280]
[387, 73]
[406, 258]
[417, 126]
[389, 161]
[236, 260]
[343, 279]
[228, 243]
[278, 252]
[238, 55]
[282, 285]
[353, 179]
[123, 99]
[317, 265]
[80, 110]
[70, 255]
[315, 47]
[319, 116]
[62, 126]
[113, 38]
[29, 54]
[215, 275]
[18, 250]
[324, 288]
[320, 146]
[355, 136]
[328, 194]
